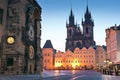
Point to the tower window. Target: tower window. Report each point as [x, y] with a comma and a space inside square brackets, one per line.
[70, 32]
[10, 62]
[87, 30]
[1, 16]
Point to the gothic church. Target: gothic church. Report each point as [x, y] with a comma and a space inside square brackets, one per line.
[76, 37]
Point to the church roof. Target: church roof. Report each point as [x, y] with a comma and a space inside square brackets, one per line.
[48, 44]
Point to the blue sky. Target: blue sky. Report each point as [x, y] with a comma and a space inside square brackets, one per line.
[105, 13]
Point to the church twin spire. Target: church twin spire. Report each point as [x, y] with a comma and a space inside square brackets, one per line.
[76, 37]
[71, 18]
[88, 18]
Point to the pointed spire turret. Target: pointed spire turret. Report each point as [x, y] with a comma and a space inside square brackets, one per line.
[88, 18]
[87, 13]
[66, 23]
[71, 18]
[71, 13]
[87, 10]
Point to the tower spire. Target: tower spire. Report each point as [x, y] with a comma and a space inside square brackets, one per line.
[71, 13]
[71, 18]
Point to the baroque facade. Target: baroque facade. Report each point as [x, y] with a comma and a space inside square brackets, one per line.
[90, 58]
[20, 51]
[80, 58]
[113, 43]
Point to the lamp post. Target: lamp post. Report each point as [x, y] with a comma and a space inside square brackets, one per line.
[107, 62]
[107, 66]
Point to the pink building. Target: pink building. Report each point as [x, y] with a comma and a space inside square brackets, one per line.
[48, 55]
[113, 43]
[90, 58]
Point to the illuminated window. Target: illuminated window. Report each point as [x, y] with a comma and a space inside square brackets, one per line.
[1, 16]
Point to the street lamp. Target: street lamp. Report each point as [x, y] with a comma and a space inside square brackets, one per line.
[107, 62]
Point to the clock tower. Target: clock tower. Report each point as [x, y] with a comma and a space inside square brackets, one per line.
[20, 45]
[31, 38]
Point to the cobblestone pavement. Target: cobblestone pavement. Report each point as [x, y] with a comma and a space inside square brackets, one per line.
[63, 75]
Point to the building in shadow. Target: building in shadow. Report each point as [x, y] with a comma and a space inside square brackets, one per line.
[20, 37]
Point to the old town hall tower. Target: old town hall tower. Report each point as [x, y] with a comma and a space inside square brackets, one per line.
[76, 37]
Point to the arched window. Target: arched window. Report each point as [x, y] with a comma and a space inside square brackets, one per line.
[70, 32]
[87, 30]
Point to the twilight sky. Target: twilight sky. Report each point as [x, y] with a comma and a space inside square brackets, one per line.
[105, 13]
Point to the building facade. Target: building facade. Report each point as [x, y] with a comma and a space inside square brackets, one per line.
[85, 58]
[79, 59]
[113, 43]
[3, 12]
[77, 38]
[49, 54]
[20, 42]
[101, 57]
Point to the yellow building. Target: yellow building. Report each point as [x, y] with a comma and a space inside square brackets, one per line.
[85, 58]
[59, 60]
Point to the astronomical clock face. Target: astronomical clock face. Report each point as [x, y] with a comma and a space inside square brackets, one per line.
[31, 52]
[31, 33]
[10, 40]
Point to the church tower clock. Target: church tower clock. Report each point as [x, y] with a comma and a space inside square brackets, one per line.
[30, 38]
[20, 45]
